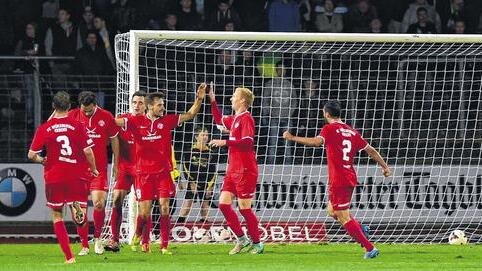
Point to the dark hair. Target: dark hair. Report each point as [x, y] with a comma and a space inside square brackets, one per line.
[152, 96]
[139, 94]
[200, 129]
[61, 101]
[87, 98]
[333, 108]
[91, 32]
[421, 9]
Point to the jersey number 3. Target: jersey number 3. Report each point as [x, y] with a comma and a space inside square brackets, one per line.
[66, 149]
[346, 149]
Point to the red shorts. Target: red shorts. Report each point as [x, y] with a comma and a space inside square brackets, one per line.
[241, 185]
[340, 197]
[125, 179]
[61, 193]
[154, 186]
[99, 182]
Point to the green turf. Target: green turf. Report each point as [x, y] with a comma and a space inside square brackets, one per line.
[277, 257]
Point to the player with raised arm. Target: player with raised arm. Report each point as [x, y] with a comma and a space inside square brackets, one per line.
[66, 167]
[152, 136]
[342, 142]
[127, 171]
[101, 129]
[242, 173]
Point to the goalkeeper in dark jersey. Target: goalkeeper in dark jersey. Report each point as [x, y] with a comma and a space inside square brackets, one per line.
[199, 169]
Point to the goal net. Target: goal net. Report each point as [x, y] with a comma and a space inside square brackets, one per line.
[415, 98]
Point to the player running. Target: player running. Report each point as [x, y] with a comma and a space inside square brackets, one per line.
[342, 142]
[152, 136]
[66, 166]
[100, 127]
[127, 171]
[242, 173]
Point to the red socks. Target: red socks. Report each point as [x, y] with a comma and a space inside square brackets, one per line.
[251, 224]
[146, 230]
[63, 239]
[355, 231]
[99, 217]
[115, 222]
[232, 219]
[83, 233]
[165, 228]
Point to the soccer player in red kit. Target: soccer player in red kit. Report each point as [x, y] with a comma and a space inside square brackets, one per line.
[152, 136]
[242, 173]
[69, 156]
[127, 171]
[342, 142]
[101, 129]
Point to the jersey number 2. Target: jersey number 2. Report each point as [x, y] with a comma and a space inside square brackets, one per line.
[66, 149]
[347, 148]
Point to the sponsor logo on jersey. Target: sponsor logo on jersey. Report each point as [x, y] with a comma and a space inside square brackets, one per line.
[17, 191]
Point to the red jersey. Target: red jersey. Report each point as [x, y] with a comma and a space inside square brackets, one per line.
[65, 140]
[241, 160]
[153, 142]
[127, 148]
[342, 142]
[100, 128]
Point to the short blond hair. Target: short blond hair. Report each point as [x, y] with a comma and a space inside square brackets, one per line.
[247, 95]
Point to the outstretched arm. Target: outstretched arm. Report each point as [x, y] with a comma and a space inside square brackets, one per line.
[378, 158]
[307, 141]
[217, 115]
[191, 113]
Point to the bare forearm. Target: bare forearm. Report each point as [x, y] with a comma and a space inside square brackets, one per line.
[89, 154]
[375, 155]
[36, 158]
[191, 113]
[115, 150]
[308, 141]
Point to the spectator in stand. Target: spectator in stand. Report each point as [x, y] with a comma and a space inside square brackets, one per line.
[61, 40]
[284, 16]
[411, 16]
[29, 45]
[376, 26]
[170, 22]
[391, 13]
[459, 27]
[50, 9]
[85, 25]
[187, 17]
[278, 104]
[455, 11]
[106, 38]
[359, 17]
[306, 16]
[223, 14]
[328, 21]
[92, 59]
[252, 14]
[423, 25]
[229, 26]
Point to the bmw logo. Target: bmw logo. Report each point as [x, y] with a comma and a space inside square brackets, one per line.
[17, 191]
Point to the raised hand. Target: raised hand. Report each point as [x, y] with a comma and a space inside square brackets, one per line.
[212, 97]
[386, 172]
[287, 135]
[201, 91]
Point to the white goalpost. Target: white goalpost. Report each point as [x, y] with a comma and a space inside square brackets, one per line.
[415, 98]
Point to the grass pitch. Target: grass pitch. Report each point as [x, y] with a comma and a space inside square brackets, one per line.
[290, 257]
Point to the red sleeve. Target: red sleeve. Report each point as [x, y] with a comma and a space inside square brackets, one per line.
[112, 128]
[244, 143]
[172, 121]
[359, 143]
[216, 113]
[324, 134]
[38, 140]
[227, 121]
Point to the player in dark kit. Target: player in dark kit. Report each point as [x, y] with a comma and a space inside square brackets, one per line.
[66, 167]
[342, 142]
[153, 139]
[242, 173]
[199, 168]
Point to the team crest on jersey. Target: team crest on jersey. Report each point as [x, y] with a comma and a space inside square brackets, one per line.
[236, 125]
[101, 123]
[160, 126]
